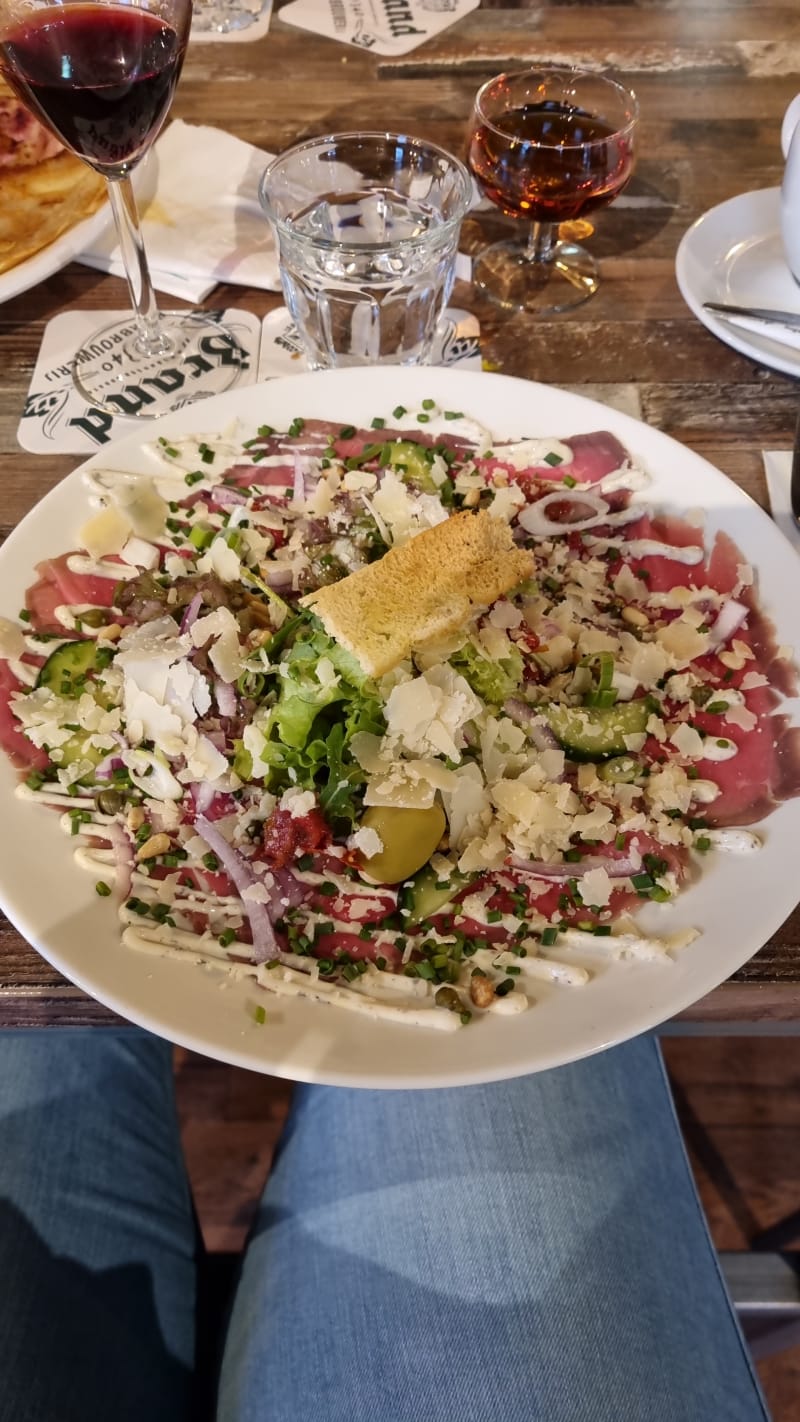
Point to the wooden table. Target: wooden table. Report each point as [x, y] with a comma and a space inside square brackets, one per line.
[713, 81]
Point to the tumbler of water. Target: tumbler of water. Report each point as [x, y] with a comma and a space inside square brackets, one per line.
[367, 230]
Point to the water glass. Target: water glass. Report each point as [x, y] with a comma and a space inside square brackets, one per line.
[367, 229]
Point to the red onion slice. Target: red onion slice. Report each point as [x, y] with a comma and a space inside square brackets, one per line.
[533, 722]
[223, 495]
[534, 519]
[264, 942]
[192, 611]
[279, 575]
[615, 868]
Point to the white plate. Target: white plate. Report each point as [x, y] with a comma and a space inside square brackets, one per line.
[57, 255]
[738, 903]
[734, 253]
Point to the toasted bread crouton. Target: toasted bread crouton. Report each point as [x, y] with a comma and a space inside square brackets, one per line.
[422, 591]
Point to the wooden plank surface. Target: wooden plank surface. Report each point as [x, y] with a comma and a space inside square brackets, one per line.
[713, 80]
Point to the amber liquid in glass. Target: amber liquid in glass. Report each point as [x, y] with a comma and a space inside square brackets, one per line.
[549, 162]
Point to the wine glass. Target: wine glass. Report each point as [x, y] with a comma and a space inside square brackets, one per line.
[102, 77]
[547, 146]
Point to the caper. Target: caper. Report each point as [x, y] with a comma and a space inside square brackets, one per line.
[449, 998]
[94, 617]
[408, 837]
[110, 802]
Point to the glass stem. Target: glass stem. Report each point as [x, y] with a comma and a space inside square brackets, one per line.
[542, 239]
[122, 198]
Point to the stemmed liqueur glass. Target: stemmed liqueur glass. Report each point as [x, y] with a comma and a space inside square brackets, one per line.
[548, 146]
[102, 77]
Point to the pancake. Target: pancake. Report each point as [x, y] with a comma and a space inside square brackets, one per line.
[44, 190]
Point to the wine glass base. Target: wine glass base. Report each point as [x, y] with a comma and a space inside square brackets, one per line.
[507, 276]
[197, 357]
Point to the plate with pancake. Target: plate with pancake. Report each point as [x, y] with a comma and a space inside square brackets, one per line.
[52, 205]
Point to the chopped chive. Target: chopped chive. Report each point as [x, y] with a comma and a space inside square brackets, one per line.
[465, 1018]
[102, 889]
[347, 432]
[453, 415]
[377, 423]
[553, 460]
[423, 419]
[265, 431]
[296, 427]
[619, 842]
[569, 482]
[703, 843]
[504, 988]
[226, 938]
[200, 538]
[194, 477]
[24, 615]
[398, 412]
[428, 404]
[259, 1015]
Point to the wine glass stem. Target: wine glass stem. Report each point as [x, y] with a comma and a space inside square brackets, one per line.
[122, 198]
[542, 239]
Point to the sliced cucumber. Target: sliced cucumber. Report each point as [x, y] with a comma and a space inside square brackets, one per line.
[597, 732]
[66, 668]
[76, 748]
[411, 461]
[426, 896]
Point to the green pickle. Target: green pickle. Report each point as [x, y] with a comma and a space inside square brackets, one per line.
[597, 732]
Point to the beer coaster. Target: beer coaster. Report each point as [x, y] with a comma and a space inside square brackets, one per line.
[207, 13]
[390, 27]
[57, 420]
[457, 343]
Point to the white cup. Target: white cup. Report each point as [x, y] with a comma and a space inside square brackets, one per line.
[790, 187]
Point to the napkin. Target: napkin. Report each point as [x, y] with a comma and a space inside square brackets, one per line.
[201, 219]
[778, 469]
[767, 330]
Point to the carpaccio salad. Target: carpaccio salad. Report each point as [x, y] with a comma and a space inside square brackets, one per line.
[425, 834]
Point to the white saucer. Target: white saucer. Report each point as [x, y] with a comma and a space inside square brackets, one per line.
[734, 253]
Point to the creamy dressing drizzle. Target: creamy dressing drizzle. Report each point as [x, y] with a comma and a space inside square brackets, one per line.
[649, 548]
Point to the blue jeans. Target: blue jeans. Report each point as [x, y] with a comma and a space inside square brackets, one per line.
[531, 1251]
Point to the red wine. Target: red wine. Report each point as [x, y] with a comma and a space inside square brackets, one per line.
[549, 162]
[101, 76]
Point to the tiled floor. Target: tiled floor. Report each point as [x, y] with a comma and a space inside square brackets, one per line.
[739, 1104]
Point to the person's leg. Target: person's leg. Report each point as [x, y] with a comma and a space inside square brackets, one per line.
[531, 1251]
[97, 1240]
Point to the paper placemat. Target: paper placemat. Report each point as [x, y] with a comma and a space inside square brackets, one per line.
[57, 420]
[390, 27]
[778, 469]
[457, 343]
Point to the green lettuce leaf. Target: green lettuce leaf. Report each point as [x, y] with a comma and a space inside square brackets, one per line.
[493, 681]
